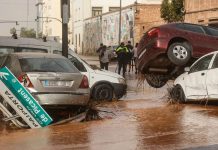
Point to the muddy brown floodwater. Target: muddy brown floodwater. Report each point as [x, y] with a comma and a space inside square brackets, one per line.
[141, 121]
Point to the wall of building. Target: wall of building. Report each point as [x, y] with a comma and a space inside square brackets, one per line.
[53, 27]
[93, 35]
[136, 20]
[201, 12]
[110, 27]
[82, 10]
[146, 17]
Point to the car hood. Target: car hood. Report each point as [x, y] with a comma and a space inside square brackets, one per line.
[108, 73]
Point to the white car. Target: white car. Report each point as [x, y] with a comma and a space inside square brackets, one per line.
[200, 81]
[104, 85]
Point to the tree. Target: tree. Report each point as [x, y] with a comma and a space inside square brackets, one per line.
[173, 10]
[13, 30]
[29, 33]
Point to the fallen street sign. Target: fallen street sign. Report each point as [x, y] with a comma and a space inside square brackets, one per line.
[22, 101]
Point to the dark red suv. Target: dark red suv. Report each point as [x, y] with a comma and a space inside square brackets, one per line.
[164, 51]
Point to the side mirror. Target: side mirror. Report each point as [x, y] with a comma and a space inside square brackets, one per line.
[187, 69]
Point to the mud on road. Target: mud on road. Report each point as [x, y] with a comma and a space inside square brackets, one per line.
[141, 120]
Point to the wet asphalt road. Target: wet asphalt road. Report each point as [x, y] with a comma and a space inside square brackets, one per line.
[141, 120]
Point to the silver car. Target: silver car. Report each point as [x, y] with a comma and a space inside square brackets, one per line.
[51, 79]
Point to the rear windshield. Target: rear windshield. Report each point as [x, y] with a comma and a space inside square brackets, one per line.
[6, 50]
[47, 65]
[35, 50]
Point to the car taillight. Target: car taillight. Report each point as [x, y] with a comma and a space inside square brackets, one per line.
[85, 83]
[153, 32]
[25, 81]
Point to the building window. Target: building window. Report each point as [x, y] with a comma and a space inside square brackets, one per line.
[96, 11]
[114, 8]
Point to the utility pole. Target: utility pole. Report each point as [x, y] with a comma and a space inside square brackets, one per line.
[120, 22]
[65, 19]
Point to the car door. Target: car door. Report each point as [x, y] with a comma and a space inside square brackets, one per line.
[196, 35]
[212, 79]
[195, 81]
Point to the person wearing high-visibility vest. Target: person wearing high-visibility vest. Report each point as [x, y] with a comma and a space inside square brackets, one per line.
[122, 57]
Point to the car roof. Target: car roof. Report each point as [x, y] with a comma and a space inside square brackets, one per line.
[184, 23]
[35, 55]
[26, 42]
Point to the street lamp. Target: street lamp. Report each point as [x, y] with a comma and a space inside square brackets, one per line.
[49, 18]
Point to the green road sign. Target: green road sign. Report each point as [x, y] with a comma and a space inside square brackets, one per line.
[22, 101]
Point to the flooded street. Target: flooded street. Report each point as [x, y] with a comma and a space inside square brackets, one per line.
[141, 120]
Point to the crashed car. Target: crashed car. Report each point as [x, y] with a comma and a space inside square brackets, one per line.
[200, 81]
[164, 51]
[104, 85]
[52, 79]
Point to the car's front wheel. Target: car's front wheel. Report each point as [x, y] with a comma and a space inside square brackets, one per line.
[179, 53]
[103, 92]
[156, 81]
[177, 94]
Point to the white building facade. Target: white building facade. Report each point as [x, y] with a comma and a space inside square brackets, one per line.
[83, 9]
[50, 21]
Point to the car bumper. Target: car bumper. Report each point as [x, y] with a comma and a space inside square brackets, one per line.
[151, 51]
[50, 99]
[148, 56]
[119, 89]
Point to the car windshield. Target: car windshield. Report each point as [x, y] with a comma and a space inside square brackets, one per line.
[47, 65]
[94, 67]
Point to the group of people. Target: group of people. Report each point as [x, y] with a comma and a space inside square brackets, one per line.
[126, 55]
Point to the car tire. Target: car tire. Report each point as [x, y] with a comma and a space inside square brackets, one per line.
[103, 92]
[156, 81]
[178, 95]
[179, 53]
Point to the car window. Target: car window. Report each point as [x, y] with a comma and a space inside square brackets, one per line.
[2, 60]
[57, 52]
[212, 31]
[194, 28]
[202, 64]
[215, 62]
[79, 65]
[6, 50]
[35, 50]
[7, 62]
[47, 65]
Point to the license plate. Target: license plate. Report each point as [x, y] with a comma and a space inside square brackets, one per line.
[52, 83]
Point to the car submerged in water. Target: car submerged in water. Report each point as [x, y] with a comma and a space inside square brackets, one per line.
[164, 51]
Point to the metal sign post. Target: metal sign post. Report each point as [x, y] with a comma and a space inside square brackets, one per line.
[22, 101]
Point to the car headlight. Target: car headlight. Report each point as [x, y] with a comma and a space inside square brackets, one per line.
[122, 80]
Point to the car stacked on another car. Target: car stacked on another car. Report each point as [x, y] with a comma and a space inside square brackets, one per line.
[164, 51]
[52, 79]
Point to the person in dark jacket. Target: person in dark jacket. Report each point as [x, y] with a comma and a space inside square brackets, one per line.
[122, 57]
[99, 51]
[130, 54]
[104, 58]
